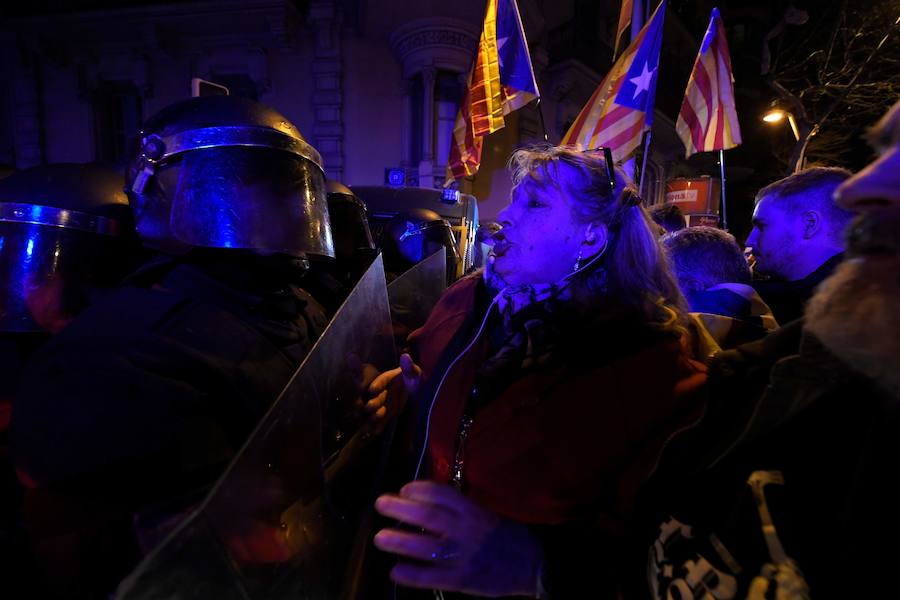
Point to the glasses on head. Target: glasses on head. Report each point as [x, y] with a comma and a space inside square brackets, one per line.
[610, 167]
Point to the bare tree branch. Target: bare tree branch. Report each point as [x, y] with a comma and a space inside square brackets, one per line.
[842, 76]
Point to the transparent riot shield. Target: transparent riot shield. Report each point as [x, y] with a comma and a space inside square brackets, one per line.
[289, 518]
[414, 294]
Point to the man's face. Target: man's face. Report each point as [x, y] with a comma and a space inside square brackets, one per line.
[775, 239]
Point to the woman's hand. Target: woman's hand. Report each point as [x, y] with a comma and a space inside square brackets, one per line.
[457, 546]
[389, 392]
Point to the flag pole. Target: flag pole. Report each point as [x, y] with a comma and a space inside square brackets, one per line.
[644, 162]
[541, 115]
[722, 199]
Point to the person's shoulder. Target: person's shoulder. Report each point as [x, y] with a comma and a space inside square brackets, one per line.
[130, 330]
[136, 336]
[758, 356]
[688, 374]
[453, 309]
[121, 311]
[130, 368]
[460, 297]
[138, 313]
[465, 286]
[662, 364]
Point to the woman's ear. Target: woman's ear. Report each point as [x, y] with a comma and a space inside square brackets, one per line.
[595, 234]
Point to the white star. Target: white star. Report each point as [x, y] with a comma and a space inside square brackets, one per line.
[642, 81]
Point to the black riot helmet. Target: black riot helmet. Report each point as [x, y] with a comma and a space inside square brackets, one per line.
[412, 236]
[349, 225]
[65, 230]
[227, 172]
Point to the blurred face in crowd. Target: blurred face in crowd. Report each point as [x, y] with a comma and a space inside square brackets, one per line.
[541, 236]
[880, 181]
[44, 298]
[774, 239]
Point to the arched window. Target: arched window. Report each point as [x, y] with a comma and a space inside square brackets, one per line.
[435, 55]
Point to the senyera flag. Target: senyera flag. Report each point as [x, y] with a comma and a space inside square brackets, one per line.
[708, 120]
[501, 81]
[621, 108]
[624, 22]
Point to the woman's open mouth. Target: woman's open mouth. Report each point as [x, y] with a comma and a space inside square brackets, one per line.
[499, 244]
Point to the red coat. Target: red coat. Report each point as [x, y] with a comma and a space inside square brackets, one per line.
[556, 446]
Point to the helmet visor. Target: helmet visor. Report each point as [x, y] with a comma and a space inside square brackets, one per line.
[44, 272]
[419, 242]
[349, 226]
[254, 198]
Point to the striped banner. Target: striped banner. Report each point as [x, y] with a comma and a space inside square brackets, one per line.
[501, 81]
[621, 108]
[708, 120]
[624, 22]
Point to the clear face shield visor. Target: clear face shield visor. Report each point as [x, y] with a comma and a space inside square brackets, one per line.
[212, 202]
[350, 227]
[419, 241]
[46, 254]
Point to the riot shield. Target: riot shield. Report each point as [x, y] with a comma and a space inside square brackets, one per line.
[288, 518]
[414, 294]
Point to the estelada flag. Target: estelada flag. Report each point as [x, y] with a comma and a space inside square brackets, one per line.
[708, 120]
[621, 108]
[501, 81]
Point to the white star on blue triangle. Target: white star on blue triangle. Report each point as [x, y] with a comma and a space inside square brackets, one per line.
[642, 82]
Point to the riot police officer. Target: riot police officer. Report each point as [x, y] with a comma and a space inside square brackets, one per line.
[131, 412]
[67, 232]
[331, 281]
[414, 235]
[66, 235]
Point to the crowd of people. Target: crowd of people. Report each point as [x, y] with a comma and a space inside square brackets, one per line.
[615, 406]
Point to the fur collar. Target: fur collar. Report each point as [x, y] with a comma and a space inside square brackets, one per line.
[856, 315]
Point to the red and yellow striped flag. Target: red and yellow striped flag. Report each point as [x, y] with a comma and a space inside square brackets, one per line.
[501, 81]
[708, 119]
[624, 22]
[621, 108]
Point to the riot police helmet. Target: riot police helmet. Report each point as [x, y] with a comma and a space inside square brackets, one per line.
[349, 224]
[228, 172]
[65, 230]
[415, 234]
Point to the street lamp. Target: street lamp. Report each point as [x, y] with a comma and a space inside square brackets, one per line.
[773, 115]
[776, 114]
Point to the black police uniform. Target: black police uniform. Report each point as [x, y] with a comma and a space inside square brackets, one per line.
[134, 409]
[129, 414]
[66, 234]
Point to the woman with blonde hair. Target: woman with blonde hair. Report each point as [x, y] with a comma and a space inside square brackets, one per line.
[545, 387]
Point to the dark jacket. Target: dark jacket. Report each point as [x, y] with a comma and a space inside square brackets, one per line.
[20, 576]
[128, 415]
[788, 298]
[820, 443]
[559, 445]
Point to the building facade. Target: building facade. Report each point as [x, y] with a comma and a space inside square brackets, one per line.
[372, 84]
